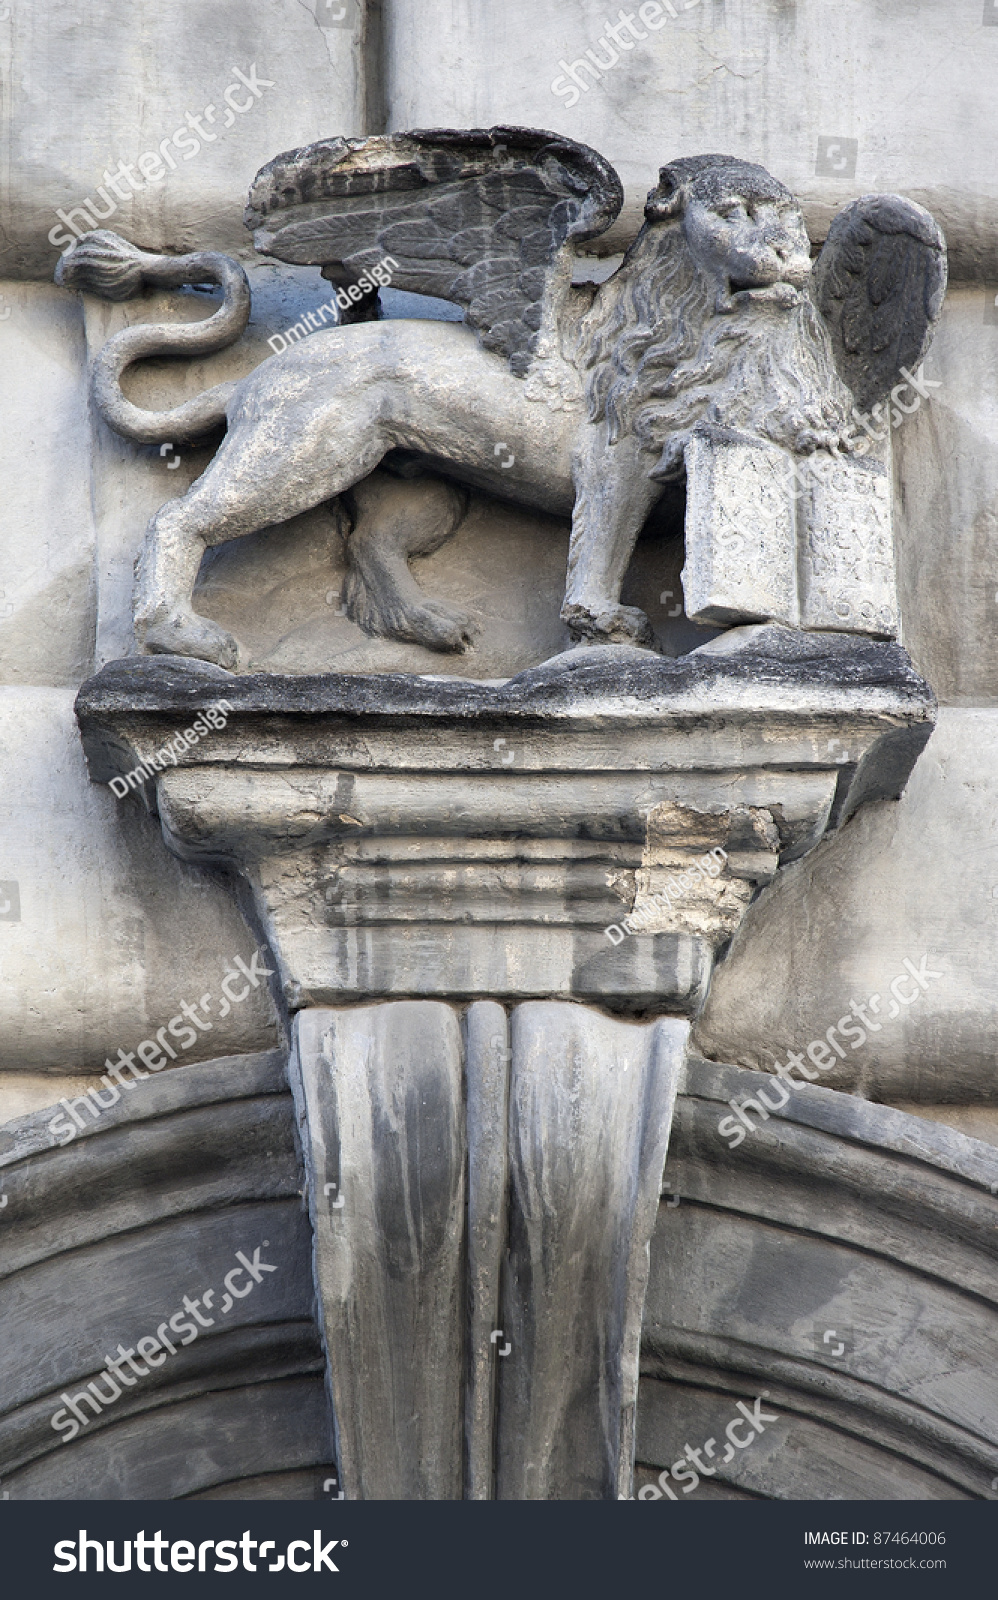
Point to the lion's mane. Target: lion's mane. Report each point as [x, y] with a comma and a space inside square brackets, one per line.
[660, 358]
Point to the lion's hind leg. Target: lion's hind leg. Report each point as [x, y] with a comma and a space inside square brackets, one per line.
[254, 481]
[394, 521]
[165, 574]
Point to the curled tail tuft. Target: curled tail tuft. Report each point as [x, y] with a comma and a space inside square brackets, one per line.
[104, 264]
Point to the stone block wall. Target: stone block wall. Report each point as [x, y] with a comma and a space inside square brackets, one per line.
[104, 933]
[778, 83]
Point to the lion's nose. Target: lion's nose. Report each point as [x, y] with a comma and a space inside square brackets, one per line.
[658, 208]
[787, 254]
[764, 265]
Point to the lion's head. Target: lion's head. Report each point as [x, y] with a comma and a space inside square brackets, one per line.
[709, 319]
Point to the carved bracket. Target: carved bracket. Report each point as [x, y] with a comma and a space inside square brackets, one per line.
[413, 836]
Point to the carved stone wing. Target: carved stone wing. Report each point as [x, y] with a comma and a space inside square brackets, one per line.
[880, 281]
[479, 217]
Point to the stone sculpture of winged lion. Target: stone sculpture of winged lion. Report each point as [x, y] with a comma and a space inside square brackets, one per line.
[714, 319]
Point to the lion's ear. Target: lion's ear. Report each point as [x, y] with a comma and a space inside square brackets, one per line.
[668, 198]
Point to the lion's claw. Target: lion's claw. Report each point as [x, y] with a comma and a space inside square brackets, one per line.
[610, 625]
[184, 633]
[432, 623]
[442, 627]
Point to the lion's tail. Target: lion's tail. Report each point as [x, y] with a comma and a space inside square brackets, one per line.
[106, 265]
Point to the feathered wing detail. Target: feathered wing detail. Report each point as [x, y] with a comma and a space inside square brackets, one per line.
[879, 283]
[480, 217]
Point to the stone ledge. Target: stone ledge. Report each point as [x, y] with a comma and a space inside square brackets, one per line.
[372, 815]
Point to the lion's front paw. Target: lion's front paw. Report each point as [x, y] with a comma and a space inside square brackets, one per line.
[184, 633]
[610, 625]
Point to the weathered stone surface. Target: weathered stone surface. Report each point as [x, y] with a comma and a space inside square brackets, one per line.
[225, 1437]
[47, 598]
[591, 1103]
[481, 1253]
[111, 84]
[788, 84]
[701, 868]
[476, 217]
[878, 332]
[839, 1262]
[741, 537]
[487, 1057]
[130, 482]
[379, 877]
[103, 945]
[946, 506]
[835, 1216]
[741, 79]
[905, 881]
[846, 550]
[505, 567]
[380, 1092]
[744, 671]
[806, 542]
[976, 1121]
[151, 1202]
